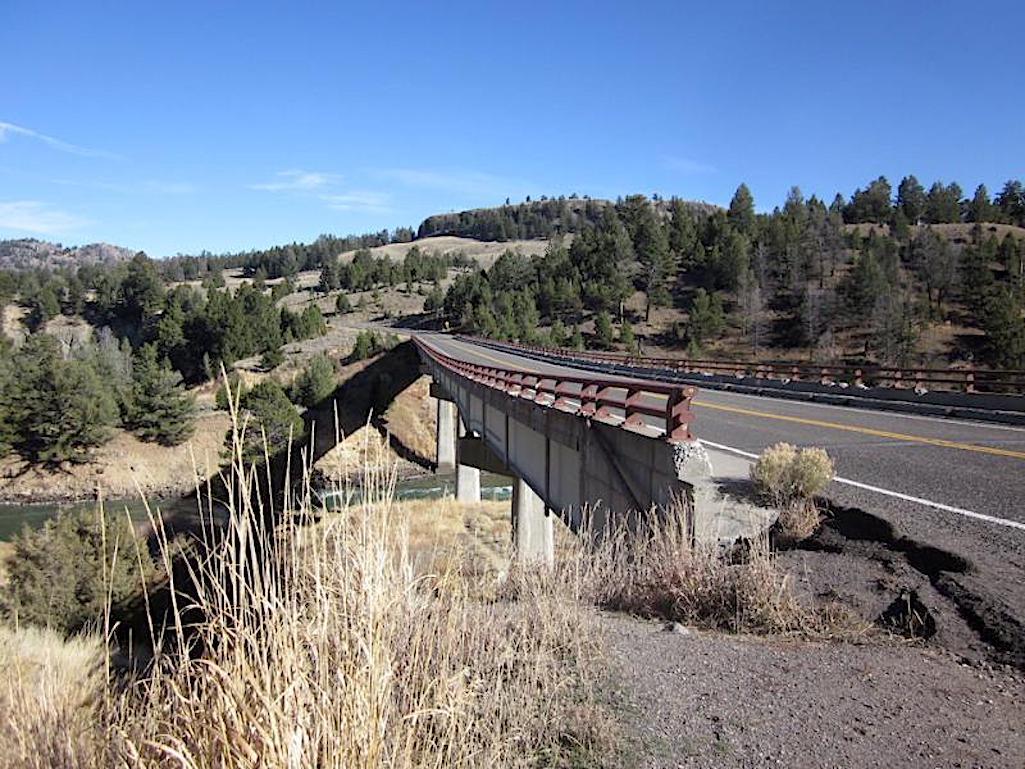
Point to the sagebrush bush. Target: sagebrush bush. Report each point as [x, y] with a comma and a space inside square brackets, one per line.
[790, 478]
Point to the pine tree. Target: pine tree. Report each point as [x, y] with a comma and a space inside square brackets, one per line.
[652, 248]
[706, 318]
[1005, 330]
[8, 434]
[626, 336]
[272, 421]
[60, 409]
[683, 235]
[329, 277]
[1011, 202]
[576, 340]
[164, 412]
[742, 210]
[980, 209]
[911, 199]
[603, 335]
[557, 335]
[943, 203]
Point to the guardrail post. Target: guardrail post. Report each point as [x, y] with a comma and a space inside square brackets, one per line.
[679, 415]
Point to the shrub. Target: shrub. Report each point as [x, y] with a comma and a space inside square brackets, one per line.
[62, 574]
[370, 343]
[314, 383]
[231, 387]
[790, 478]
[271, 421]
[272, 358]
[342, 304]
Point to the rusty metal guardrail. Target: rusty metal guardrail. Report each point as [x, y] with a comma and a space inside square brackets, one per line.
[967, 380]
[653, 408]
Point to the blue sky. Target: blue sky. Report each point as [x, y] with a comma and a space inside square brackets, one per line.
[174, 127]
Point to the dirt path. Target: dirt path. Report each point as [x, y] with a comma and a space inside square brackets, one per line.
[708, 700]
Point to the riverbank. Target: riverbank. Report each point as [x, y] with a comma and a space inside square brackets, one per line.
[123, 467]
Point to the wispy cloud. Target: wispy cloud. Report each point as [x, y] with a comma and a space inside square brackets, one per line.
[327, 188]
[150, 186]
[687, 165]
[298, 181]
[358, 200]
[8, 130]
[464, 182]
[38, 218]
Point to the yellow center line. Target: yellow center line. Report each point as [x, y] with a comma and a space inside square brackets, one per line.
[867, 431]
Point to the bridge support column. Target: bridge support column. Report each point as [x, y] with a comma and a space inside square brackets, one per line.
[533, 536]
[447, 415]
[467, 478]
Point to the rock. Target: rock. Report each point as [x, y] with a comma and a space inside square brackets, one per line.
[676, 627]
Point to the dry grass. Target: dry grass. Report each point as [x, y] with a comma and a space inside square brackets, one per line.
[328, 645]
[659, 572]
[6, 551]
[386, 635]
[51, 695]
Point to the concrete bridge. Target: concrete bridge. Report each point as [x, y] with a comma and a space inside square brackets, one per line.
[579, 444]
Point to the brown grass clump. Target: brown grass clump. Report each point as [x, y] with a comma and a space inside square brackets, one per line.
[51, 695]
[790, 478]
[660, 572]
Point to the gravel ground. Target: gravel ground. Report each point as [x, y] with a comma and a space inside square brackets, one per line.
[700, 699]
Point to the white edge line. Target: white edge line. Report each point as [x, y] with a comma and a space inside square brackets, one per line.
[897, 494]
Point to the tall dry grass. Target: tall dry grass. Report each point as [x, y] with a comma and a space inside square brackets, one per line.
[320, 646]
[344, 644]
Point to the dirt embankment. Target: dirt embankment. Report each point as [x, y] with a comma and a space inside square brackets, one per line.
[124, 467]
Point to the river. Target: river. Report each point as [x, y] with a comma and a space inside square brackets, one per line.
[14, 517]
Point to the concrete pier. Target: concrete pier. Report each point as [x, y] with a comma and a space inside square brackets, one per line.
[447, 416]
[467, 477]
[533, 534]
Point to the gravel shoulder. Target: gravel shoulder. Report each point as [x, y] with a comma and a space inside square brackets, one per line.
[696, 699]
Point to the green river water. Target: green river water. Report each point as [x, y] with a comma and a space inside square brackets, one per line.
[14, 517]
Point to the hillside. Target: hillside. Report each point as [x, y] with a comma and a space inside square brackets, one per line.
[31, 254]
[484, 253]
[536, 219]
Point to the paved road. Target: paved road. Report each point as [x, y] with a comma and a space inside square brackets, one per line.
[960, 467]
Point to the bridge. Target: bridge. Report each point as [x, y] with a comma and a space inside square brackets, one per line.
[579, 444]
[579, 429]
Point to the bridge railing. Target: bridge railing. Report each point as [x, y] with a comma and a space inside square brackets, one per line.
[955, 379]
[657, 409]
